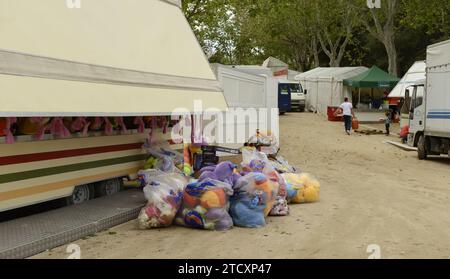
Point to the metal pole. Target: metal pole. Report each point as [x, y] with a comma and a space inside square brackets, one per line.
[359, 98]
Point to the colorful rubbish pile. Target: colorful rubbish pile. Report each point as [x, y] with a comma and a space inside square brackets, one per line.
[221, 197]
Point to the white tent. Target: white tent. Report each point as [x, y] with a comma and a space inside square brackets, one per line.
[325, 86]
[415, 73]
[105, 58]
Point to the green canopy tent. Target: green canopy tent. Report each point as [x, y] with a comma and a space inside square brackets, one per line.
[372, 78]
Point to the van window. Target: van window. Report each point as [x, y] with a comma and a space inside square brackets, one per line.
[419, 94]
[285, 89]
[296, 88]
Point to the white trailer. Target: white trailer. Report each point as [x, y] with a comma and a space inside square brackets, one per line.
[246, 95]
[271, 82]
[430, 104]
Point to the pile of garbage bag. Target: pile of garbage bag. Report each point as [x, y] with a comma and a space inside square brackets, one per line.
[301, 188]
[164, 193]
[205, 205]
[221, 197]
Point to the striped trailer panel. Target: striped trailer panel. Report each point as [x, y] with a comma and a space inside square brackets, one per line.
[37, 171]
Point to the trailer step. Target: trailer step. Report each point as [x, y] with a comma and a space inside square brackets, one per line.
[401, 145]
[24, 237]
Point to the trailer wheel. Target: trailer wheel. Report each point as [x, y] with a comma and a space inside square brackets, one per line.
[108, 187]
[422, 148]
[80, 194]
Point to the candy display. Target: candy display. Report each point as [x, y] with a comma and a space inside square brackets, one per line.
[205, 205]
[32, 125]
[7, 128]
[3, 129]
[301, 188]
[164, 194]
[254, 196]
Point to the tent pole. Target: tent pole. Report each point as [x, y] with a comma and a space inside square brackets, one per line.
[359, 98]
[371, 98]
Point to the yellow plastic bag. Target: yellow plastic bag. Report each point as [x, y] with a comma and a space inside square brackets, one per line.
[301, 188]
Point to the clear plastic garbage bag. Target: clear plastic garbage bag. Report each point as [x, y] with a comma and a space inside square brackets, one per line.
[301, 188]
[164, 193]
[254, 197]
[205, 205]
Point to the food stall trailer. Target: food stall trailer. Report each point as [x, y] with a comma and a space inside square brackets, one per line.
[105, 61]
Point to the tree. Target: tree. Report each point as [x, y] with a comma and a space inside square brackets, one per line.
[334, 23]
[381, 24]
[213, 23]
[433, 16]
[309, 33]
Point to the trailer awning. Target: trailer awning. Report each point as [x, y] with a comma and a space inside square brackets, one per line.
[101, 58]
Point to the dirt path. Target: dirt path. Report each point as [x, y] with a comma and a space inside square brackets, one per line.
[372, 193]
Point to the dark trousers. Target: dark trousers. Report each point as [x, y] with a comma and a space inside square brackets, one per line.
[387, 128]
[348, 122]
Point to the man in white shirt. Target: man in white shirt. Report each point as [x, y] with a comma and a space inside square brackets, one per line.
[347, 111]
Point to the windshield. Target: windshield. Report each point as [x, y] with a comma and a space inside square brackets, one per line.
[296, 88]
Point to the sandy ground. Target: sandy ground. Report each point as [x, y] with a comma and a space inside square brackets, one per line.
[372, 193]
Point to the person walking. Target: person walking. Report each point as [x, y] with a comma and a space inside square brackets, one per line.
[347, 111]
[388, 121]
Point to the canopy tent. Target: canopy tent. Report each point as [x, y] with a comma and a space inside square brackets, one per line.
[372, 78]
[414, 74]
[105, 58]
[325, 86]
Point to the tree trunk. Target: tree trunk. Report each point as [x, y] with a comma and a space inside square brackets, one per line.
[385, 32]
[314, 47]
[334, 62]
[391, 52]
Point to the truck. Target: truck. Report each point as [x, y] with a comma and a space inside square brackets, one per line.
[429, 105]
[298, 97]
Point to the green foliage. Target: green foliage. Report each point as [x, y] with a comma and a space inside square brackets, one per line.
[431, 16]
[310, 33]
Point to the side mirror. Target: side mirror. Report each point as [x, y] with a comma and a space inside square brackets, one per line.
[305, 91]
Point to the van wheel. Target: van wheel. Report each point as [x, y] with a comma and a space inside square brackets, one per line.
[108, 187]
[80, 194]
[422, 148]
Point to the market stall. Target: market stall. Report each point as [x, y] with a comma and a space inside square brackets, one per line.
[83, 88]
[325, 87]
[378, 82]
